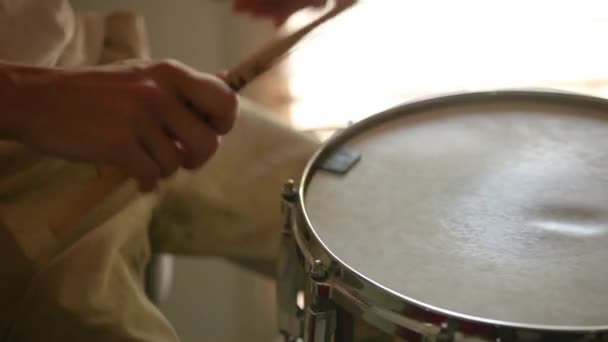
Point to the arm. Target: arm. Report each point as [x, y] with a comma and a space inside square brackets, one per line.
[145, 118]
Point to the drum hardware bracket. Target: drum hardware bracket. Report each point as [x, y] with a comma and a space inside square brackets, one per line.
[289, 273]
[318, 271]
[320, 322]
[320, 317]
[290, 191]
[289, 195]
[446, 334]
[340, 160]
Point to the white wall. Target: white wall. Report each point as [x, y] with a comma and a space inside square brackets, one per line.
[202, 33]
[211, 300]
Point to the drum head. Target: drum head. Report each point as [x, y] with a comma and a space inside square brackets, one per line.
[494, 208]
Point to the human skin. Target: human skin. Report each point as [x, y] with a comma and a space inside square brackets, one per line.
[145, 118]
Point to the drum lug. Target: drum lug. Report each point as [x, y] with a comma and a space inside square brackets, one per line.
[320, 323]
[446, 334]
[290, 191]
[290, 274]
[289, 196]
[320, 315]
[318, 272]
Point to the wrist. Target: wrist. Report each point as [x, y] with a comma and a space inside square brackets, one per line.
[16, 100]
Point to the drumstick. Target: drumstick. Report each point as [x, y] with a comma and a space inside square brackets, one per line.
[265, 58]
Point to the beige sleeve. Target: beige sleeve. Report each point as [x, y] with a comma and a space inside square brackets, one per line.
[103, 39]
[50, 33]
[83, 280]
[35, 32]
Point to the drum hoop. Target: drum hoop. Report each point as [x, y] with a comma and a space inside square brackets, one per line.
[376, 294]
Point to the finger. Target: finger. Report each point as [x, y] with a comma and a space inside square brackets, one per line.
[221, 75]
[197, 140]
[209, 95]
[137, 164]
[213, 100]
[161, 148]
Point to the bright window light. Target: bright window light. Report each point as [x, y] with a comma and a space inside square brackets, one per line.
[383, 52]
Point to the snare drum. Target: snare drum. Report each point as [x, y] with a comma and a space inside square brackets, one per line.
[469, 217]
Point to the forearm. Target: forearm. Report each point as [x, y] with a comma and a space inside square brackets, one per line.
[10, 79]
[20, 87]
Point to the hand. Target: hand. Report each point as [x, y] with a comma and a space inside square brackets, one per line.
[146, 118]
[278, 10]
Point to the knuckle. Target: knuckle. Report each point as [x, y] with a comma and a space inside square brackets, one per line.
[212, 146]
[148, 174]
[208, 148]
[119, 142]
[149, 90]
[203, 150]
[156, 105]
[170, 171]
[231, 107]
[134, 72]
[166, 66]
[151, 173]
[143, 114]
[231, 101]
[171, 165]
[146, 185]
[140, 98]
[136, 118]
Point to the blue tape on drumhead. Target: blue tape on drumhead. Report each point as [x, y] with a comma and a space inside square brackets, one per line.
[340, 161]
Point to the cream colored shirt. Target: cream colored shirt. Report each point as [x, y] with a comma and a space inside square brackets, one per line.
[73, 245]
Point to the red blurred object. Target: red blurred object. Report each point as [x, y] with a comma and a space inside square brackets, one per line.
[277, 10]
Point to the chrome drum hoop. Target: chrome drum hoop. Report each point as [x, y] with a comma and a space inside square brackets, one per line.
[397, 314]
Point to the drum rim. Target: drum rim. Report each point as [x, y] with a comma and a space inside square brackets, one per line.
[411, 107]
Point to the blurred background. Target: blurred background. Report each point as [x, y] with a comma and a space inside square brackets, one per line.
[377, 55]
